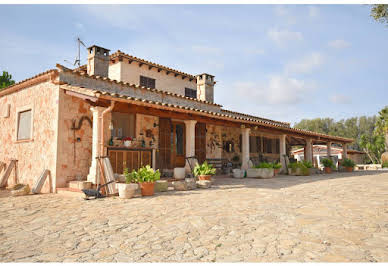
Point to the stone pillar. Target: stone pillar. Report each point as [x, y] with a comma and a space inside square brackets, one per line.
[245, 147]
[344, 151]
[282, 153]
[309, 150]
[190, 141]
[94, 170]
[328, 149]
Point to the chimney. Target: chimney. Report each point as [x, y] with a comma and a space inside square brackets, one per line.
[98, 61]
[205, 87]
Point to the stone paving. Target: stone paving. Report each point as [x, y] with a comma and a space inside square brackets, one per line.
[339, 217]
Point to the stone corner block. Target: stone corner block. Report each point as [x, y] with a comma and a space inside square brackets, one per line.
[179, 185]
[161, 185]
[191, 184]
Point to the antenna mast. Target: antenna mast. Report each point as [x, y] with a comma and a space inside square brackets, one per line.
[78, 59]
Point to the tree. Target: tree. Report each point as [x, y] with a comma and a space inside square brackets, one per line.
[381, 127]
[380, 13]
[6, 80]
[374, 146]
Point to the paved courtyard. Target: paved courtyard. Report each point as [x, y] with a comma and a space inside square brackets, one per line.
[339, 217]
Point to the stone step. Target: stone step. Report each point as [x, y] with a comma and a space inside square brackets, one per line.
[79, 185]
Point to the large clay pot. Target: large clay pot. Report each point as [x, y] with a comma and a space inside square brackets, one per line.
[126, 191]
[349, 168]
[147, 188]
[205, 177]
[328, 170]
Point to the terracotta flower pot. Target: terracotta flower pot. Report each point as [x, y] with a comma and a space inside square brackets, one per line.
[276, 171]
[349, 169]
[328, 170]
[205, 177]
[147, 188]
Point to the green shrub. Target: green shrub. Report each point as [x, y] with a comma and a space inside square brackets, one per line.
[307, 164]
[144, 174]
[328, 163]
[204, 169]
[300, 165]
[348, 163]
[384, 165]
[264, 165]
[276, 165]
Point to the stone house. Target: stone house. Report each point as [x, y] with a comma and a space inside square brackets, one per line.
[62, 119]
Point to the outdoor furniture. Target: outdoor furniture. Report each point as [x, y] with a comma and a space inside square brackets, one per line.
[222, 166]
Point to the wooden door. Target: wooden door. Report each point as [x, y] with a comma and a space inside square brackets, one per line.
[200, 142]
[164, 161]
[178, 154]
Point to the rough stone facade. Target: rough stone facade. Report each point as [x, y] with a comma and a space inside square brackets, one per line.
[148, 130]
[40, 152]
[75, 146]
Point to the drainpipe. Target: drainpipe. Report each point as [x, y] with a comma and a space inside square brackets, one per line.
[109, 109]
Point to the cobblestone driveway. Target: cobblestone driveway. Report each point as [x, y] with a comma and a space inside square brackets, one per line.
[342, 217]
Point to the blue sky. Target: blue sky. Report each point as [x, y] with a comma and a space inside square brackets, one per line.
[284, 62]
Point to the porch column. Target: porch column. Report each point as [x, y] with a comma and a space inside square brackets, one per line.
[328, 149]
[283, 152]
[245, 147]
[309, 150]
[190, 141]
[344, 151]
[93, 171]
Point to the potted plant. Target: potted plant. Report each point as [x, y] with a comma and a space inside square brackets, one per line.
[146, 177]
[127, 190]
[276, 168]
[204, 171]
[302, 168]
[262, 170]
[348, 164]
[328, 165]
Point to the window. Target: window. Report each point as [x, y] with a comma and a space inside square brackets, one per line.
[254, 144]
[267, 145]
[123, 125]
[278, 146]
[24, 125]
[147, 82]
[192, 93]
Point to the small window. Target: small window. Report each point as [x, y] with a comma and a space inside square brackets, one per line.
[192, 93]
[147, 82]
[24, 125]
[267, 144]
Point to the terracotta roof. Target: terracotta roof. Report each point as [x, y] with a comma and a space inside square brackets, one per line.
[285, 124]
[220, 115]
[25, 82]
[83, 73]
[134, 58]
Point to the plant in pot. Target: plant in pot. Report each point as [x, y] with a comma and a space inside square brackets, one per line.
[300, 168]
[146, 177]
[263, 170]
[348, 164]
[204, 171]
[127, 190]
[328, 165]
[276, 168]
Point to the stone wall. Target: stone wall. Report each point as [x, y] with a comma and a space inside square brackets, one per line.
[122, 71]
[145, 129]
[75, 146]
[40, 152]
[213, 141]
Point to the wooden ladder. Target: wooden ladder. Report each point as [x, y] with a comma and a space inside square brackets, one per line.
[39, 183]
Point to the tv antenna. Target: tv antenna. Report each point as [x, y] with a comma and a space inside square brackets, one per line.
[77, 61]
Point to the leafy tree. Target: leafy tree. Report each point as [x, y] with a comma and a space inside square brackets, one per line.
[380, 13]
[381, 127]
[374, 146]
[6, 80]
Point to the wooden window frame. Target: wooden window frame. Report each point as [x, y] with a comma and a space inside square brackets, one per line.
[149, 82]
[191, 93]
[21, 110]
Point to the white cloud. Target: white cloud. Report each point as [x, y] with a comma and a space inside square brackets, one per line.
[313, 11]
[339, 44]
[340, 99]
[306, 64]
[281, 37]
[277, 90]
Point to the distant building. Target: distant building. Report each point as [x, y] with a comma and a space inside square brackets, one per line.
[320, 151]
